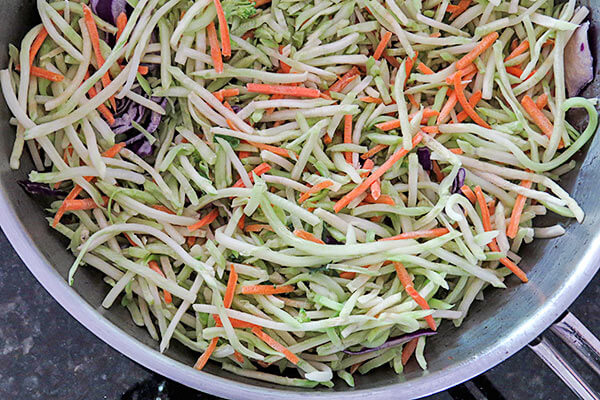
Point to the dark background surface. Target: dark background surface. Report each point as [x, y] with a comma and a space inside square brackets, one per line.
[46, 354]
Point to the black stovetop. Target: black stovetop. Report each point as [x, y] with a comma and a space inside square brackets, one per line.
[46, 354]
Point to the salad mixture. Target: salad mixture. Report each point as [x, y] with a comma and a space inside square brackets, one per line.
[293, 188]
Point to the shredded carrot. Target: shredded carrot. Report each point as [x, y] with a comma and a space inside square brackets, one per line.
[307, 236]
[537, 115]
[460, 8]
[276, 345]
[435, 35]
[487, 226]
[163, 209]
[395, 123]
[298, 91]
[239, 358]
[355, 367]
[315, 189]
[273, 149]
[460, 95]
[542, 101]
[267, 289]
[520, 49]
[206, 355]
[424, 234]
[241, 222]
[108, 116]
[221, 94]
[515, 216]
[468, 193]
[243, 154]
[95, 39]
[82, 204]
[208, 219]
[348, 136]
[447, 108]
[391, 60]
[492, 206]
[376, 189]
[236, 323]
[456, 151]
[376, 149]
[259, 170]
[248, 35]
[408, 350]
[410, 62]
[215, 49]
[154, 266]
[407, 283]
[368, 166]
[434, 130]
[473, 100]
[190, 241]
[385, 39]
[424, 69]
[344, 80]
[347, 275]
[482, 46]
[113, 151]
[439, 175]
[224, 29]
[369, 99]
[230, 290]
[37, 44]
[231, 125]
[258, 228]
[327, 139]
[412, 100]
[469, 69]
[360, 189]
[121, 23]
[382, 199]
[44, 73]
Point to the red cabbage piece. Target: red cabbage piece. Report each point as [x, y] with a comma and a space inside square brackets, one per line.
[109, 10]
[40, 189]
[579, 68]
[459, 181]
[393, 342]
[424, 155]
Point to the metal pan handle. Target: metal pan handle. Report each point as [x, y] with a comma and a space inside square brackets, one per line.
[571, 331]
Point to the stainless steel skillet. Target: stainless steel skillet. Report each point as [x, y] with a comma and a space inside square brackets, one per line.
[508, 320]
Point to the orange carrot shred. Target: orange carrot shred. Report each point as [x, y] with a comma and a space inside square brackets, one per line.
[376, 149]
[37, 44]
[520, 49]
[473, 100]
[230, 290]
[462, 7]
[468, 193]
[376, 189]
[206, 355]
[207, 220]
[121, 23]
[344, 80]
[315, 189]
[154, 266]
[542, 101]
[308, 236]
[537, 115]
[44, 73]
[424, 234]
[81, 204]
[447, 107]
[236, 323]
[257, 228]
[424, 69]
[190, 241]
[382, 199]
[259, 170]
[283, 89]
[360, 189]
[347, 275]
[482, 46]
[224, 29]
[239, 358]
[215, 49]
[276, 345]
[267, 289]
[382, 44]
[348, 136]
[95, 39]
[515, 216]
[408, 350]
[369, 99]
[407, 283]
[273, 149]
[460, 95]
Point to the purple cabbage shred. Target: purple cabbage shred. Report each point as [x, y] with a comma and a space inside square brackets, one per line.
[424, 155]
[40, 189]
[393, 342]
[109, 10]
[459, 181]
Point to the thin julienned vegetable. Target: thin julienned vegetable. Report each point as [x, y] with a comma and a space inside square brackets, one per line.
[316, 185]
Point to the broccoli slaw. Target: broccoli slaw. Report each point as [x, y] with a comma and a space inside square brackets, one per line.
[298, 189]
